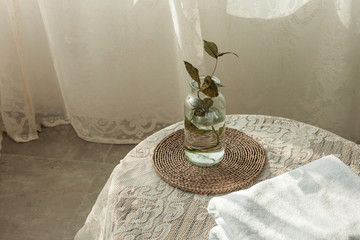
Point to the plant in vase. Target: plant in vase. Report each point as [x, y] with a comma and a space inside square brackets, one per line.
[205, 112]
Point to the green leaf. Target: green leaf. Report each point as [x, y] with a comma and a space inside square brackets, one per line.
[199, 112]
[221, 54]
[211, 49]
[221, 130]
[209, 87]
[208, 103]
[192, 128]
[193, 72]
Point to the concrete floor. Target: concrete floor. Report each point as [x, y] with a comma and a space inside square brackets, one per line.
[48, 186]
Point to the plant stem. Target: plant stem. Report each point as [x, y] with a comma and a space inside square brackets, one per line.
[198, 94]
[217, 135]
[212, 74]
[213, 146]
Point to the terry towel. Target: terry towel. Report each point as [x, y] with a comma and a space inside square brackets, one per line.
[320, 200]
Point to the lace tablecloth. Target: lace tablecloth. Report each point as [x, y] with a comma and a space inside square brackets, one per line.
[136, 204]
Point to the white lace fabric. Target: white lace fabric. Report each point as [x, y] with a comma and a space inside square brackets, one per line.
[136, 204]
[115, 71]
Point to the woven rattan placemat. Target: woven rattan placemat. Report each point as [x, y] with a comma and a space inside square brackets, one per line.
[243, 161]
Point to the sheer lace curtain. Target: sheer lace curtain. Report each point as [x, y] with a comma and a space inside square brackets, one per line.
[114, 69]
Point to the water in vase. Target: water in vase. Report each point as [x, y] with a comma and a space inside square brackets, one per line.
[204, 138]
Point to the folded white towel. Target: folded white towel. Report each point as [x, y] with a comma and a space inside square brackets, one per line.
[320, 200]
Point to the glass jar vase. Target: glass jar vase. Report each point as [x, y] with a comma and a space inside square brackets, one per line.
[204, 126]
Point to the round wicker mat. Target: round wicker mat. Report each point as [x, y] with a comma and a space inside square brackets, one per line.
[243, 161]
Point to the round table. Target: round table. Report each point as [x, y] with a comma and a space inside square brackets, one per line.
[136, 204]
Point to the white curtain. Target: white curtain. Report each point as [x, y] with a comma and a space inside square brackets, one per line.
[113, 69]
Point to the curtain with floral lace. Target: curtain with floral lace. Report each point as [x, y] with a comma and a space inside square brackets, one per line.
[114, 69]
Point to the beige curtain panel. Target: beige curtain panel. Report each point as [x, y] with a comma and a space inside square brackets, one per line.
[114, 70]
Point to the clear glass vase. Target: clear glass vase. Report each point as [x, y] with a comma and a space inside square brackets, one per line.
[204, 127]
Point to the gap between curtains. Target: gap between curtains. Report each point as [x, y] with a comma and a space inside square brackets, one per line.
[114, 69]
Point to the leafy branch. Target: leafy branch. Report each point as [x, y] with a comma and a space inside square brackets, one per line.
[208, 87]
